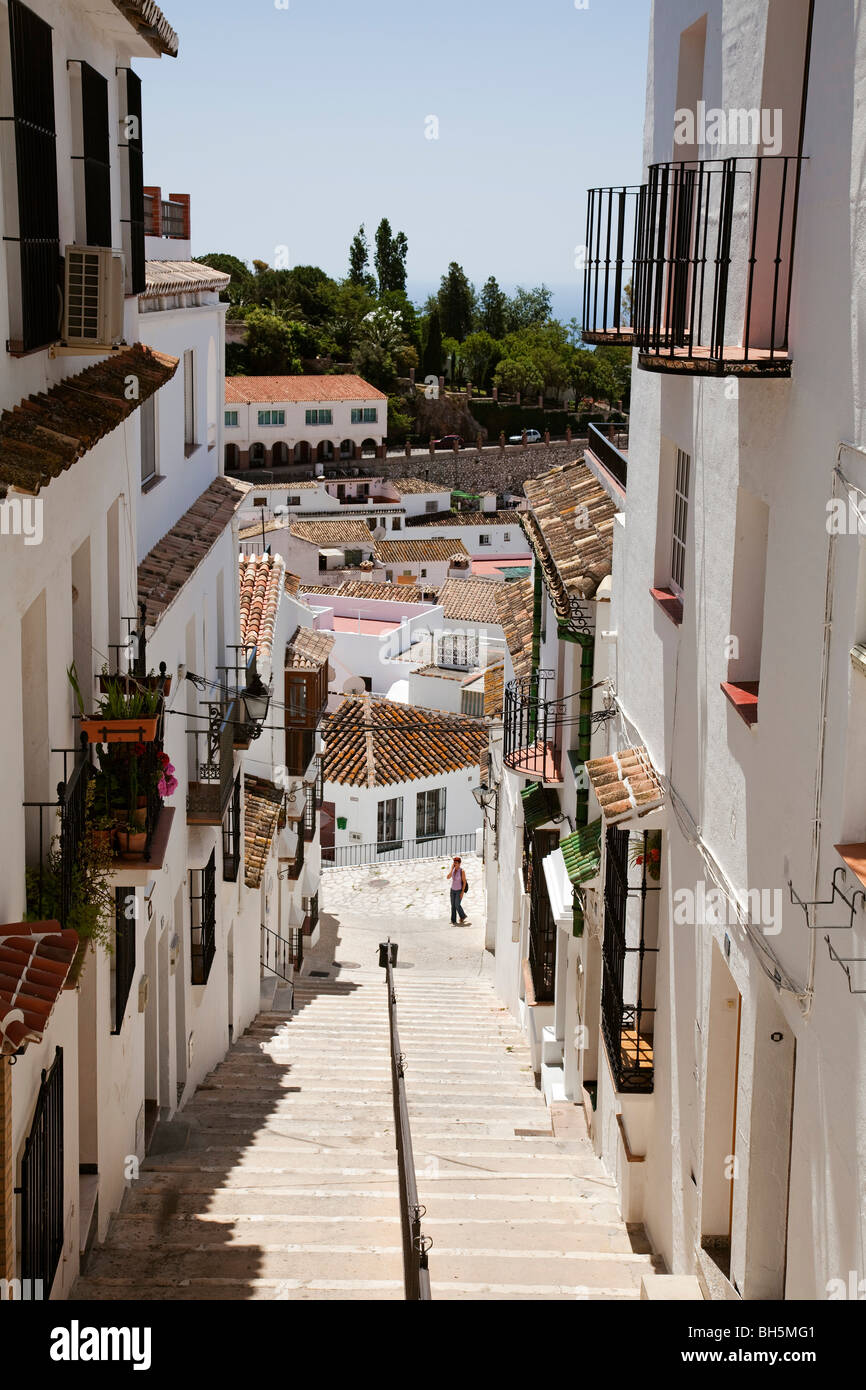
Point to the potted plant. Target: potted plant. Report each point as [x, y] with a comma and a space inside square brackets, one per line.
[653, 854]
[130, 683]
[124, 716]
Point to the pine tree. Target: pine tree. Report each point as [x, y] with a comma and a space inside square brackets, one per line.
[491, 309]
[456, 303]
[390, 258]
[359, 258]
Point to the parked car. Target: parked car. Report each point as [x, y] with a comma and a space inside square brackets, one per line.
[447, 441]
[532, 437]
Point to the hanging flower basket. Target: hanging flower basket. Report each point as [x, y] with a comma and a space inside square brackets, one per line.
[137, 730]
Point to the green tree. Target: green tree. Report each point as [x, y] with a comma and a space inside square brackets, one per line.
[456, 303]
[390, 258]
[527, 308]
[359, 259]
[242, 277]
[616, 363]
[432, 358]
[518, 374]
[492, 306]
[272, 346]
[480, 352]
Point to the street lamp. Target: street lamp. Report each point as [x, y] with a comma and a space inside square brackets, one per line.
[486, 797]
[257, 699]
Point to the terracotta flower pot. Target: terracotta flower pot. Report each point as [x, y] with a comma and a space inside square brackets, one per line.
[141, 730]
[131, 843]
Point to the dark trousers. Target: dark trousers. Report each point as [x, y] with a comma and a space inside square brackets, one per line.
[456, 907]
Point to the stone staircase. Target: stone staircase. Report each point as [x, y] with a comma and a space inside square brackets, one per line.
[279, 1179]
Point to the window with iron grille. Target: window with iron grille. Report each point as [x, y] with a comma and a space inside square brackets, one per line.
[147, 425]
[680, 522]
[542, 925]
[232, 834]
[189, 421]
[97, 158]
[628, 980]
[131, 143]
[42, 1182]
[430, 814]
[309, 811]
[202, 900]
[458, 651]
[32, 63]
[123, 957]
[389, 822]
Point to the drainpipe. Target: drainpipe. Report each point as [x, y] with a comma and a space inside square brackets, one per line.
[829, 585]
[7, 1173]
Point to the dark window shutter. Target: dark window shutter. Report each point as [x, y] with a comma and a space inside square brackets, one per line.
[97, 157]
[36, 160]
[136, 184]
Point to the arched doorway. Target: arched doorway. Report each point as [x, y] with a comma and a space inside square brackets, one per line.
[233, 457]
[258, 455]
[302, 451]
[325, 451]
[280, 454]
[347, 449]
[368, 448]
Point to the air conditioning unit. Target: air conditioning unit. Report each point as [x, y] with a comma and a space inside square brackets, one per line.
[93, 300]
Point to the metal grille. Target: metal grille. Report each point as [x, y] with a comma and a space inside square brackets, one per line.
[611, 232]
[136, 182]
[532, 727]
[626, 1026]
[36, 162]
[202, 895]
[681, 520]
[172, 219]
[276, 953]
[607, 454]
[542, 925]
[41, 1187]
[232, 835]
[385, 852]
[309, 811]
[124, 951]
[389, 826]
[97, 158]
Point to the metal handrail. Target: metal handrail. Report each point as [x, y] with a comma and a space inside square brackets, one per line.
[383, 852]
[416, 1275]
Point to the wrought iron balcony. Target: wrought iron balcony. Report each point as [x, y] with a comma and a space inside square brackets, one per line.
[212, 765]
[713, 266]
[611, 234]
[533, 729]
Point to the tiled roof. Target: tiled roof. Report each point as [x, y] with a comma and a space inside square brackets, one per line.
[540, 804]
[405, 486]
[35, 958]
[374, 742]
[309, 649]
[293, 583]
[570, 529]
[469, 519]
[295, 485]
[359, 588]
[174, 559]
[255, 528]
[625, 782]
[328, 533]
[151, 23]
[246, 390]
[48, 432]
[181, 277]
[470, 600]
[494, 691]
[397, 552]
[261, 583]
[582, 852]
[262, 802]
[514, 605]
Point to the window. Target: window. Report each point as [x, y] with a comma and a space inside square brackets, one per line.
[231, 419]
[96, 158]
[372, 523]
[32, 62]
[366, 415]
[430, 506]
[318, 417]
[232, 841]
[458, 650]
[389, 827]
[147, 417]
[506, 535]
[132, 211]
[293, 501]
[389, 576]
[430, 814]
[272, 417]
[353, 558]
[484, 538]
[680, 523]
[189, 426]
[260, 501]
[423, 573]
[396, 523]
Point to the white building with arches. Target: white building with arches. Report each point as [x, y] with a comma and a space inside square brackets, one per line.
[275, 421]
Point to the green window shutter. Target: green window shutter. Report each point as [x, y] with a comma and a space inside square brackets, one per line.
[540, 804]
[582, 852]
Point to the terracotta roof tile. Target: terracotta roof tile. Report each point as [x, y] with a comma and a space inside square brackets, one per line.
[332, 533]
[514, 605]
[625, 783]
[149, 20]
[494, 691]
[262, 802]
[261, 583]
[35, 958]
[48, 432]
[255, 528]
[292, 583]
[407, 486]
[309, 649]
[246, 390]
[570, 529]
[470, 600]
[181, 277]
[505, 518]
[174, 559]
[374, 742]
[397, 552]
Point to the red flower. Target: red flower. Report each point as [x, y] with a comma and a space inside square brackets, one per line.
[163, 759]
[138, 750]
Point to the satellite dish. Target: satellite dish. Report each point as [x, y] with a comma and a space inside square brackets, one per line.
[354, 686]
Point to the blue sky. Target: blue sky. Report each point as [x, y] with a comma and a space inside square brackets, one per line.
[291, 126]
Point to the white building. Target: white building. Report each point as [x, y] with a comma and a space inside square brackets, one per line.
[399, 782]
[274, 421]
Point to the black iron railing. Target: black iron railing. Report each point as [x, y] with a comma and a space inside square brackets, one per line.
[124, 951]
[532, 728]
[346, 856]
[713, 263]
[41, 1189]
[608, 454]
[280, 953]
[611, 234]
[542, 924]
[232, 852]
[309, 810]
[320, 779]
[416, 1274]
[296, 864]
[314, 911]
[202, 897]
[213, 775]
[627, 1027]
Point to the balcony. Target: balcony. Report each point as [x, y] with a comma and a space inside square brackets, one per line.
[533, 729]
[212, 765]
[611, 236]
[609, 454]
[713, 266]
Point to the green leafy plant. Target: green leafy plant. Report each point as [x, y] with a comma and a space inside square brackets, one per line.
[651, 850]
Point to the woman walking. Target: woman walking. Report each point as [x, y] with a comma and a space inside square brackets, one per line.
[457, 880]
